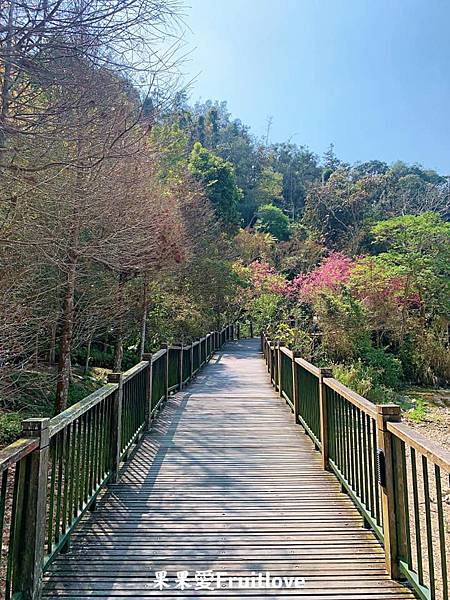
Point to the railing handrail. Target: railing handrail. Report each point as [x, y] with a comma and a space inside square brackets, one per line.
[365, 405]
[60, 465]
[75, 411]
[307, 365]
[369, 449]
[436, 453]
[16, 451]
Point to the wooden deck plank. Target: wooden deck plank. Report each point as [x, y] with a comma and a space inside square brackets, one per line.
[224, 481]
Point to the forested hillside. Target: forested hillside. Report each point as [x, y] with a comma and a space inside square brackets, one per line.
[130, 216]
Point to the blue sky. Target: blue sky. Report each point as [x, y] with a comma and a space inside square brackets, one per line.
[371, 76]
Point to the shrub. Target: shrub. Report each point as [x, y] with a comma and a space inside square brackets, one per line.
[272, 219]
[386, 368]
[363, 379]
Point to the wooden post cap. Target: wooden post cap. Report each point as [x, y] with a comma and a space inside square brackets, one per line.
[326, 372]
[37, 428]
[115, 377]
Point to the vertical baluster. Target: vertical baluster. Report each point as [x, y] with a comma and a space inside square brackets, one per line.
[322, 401]
[347, 442]
[354, 413]
[372, 480]
[59, 484]
[77, 473]
[441, 524]
[416, 517]
[18, 484]
[83, 456]
[67, 476]
[27, 540]
[116, 425]
[426, 493]
[349, 427]
[73, 471]
[374, 461]
[388, 413]
[4, 489]
[88, 457]
[365, 456]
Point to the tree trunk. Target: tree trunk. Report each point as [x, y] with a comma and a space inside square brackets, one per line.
[144, 319]
[118, 348]
[7, 68]
[62, 386]
[52, 349]
[88, 355]
[36, 351]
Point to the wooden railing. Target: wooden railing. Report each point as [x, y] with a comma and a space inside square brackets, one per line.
[54, 473]
[396, 477]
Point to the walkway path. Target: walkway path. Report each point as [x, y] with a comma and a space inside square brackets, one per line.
[224, 482]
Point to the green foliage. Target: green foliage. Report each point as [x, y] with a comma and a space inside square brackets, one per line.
[386, 369]
[419, 412]
[268, 188]
[34, 396]
[265, 309]
[104, 357]
[364, 380]
[342, 322]
[10, 427]
[428, 359]
[271, 219]
[418, 247]
[219, 181]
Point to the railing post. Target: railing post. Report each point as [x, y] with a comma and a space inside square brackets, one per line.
[324, 417]
[251, 329]
[278, 350]
[166, 371]
[192, 359]
[28, 558]
[148, 389]
[238, 330]
[116, 425]
[386, 413]
[180, 379]
[295, 396]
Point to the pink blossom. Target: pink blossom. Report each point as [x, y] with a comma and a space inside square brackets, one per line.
[332, 272]
[265, 279]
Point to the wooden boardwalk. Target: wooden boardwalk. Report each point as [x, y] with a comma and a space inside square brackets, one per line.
[226, 482]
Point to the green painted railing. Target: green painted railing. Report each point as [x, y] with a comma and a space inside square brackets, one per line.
[397, 478]
[54, 473]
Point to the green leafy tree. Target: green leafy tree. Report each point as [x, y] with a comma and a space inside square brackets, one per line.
[299, 167]
[418, 247]
[219, 181]
[271, 219]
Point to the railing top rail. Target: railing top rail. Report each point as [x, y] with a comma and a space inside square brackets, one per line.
[434, 452]
[365, 405]
[158, 354]
[308, 366]
[16, 451]
[76, 410]
[286, 351]
[135, 370]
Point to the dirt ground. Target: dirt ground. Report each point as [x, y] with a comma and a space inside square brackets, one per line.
[433, 419]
